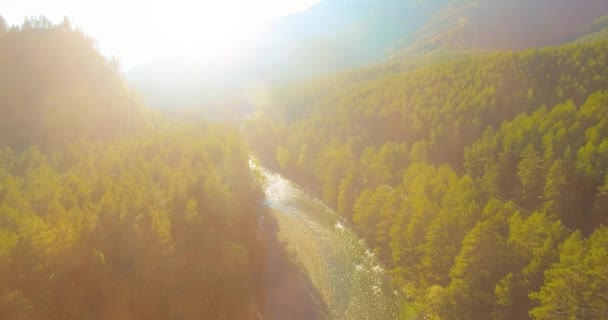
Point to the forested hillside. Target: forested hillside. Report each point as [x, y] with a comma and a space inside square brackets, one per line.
[55, 87]
[481, 182]
[108, 211]
[495, 24]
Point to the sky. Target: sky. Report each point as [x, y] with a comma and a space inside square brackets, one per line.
[142, 31]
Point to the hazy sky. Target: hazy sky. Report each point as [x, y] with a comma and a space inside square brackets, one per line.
[140, 31]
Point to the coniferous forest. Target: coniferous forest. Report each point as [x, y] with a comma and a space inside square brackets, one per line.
[479, 179]
[110, 211]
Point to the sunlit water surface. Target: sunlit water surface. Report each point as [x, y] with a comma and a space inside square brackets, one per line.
[348, 276]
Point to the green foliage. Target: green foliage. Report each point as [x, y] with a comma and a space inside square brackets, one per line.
[597, 30]
[106, 214]
[530, 130]
[560, 156]
[576, 287]
[93, 227]
[479, 266]
[56, 87]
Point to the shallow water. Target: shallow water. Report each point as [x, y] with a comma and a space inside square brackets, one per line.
[348, 276]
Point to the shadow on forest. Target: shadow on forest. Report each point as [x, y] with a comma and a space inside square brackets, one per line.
[286, 290]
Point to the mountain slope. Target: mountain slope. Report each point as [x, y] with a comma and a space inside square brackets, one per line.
[597, 30]
[492, 24]
[469, 178]
[105, 214]
[333, 35]
[338, 34]
[55, 86]
[343, 34]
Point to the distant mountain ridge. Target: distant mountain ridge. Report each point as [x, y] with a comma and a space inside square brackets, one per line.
[517, 24]
[338, 35]
[597, 30]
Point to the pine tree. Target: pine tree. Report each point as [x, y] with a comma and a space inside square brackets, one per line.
[530, 176]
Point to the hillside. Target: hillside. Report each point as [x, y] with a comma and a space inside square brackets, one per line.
[596, 30]
[327, 37]
[338, 35]
[492, 24]
[57, 87]
[109, 211]
[480, 181]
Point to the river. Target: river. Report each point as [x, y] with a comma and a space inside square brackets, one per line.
[348, 276]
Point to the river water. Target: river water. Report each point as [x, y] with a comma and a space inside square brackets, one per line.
[347, 275]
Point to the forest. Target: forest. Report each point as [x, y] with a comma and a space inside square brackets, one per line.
[109, 210]
[480, 180]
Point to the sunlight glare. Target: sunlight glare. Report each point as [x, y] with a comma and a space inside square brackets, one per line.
[207, 31]
[142, 31]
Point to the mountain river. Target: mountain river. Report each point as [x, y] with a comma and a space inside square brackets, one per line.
[349, 278]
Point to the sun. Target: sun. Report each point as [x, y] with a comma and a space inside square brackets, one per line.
[143, 31]
[206, 30]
